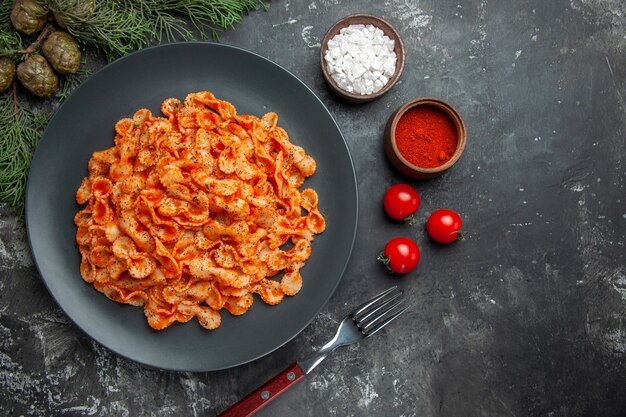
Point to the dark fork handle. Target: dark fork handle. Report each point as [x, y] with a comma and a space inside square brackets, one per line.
[266, 393]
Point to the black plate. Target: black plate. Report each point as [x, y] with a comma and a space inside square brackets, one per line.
[85, 124]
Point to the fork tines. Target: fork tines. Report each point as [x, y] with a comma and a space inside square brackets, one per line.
[381, 310]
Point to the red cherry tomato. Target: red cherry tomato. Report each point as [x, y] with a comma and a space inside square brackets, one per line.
[401, 255]
[444, 225]
[401, 200]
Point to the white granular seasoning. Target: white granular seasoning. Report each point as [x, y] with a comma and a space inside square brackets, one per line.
[360, 58]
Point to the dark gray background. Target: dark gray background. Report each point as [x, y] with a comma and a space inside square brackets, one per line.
[526, 317]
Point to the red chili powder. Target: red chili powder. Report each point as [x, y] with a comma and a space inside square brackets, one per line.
[426, 136]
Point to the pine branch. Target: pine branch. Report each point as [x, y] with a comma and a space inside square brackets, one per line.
[42, 37]
[117, 27]
[21, 133]
[10, 40]
[113, 27]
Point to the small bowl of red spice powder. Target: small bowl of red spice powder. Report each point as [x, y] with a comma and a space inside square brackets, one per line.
[425, 137]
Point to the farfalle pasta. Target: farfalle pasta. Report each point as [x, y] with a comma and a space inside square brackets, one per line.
[196, 211]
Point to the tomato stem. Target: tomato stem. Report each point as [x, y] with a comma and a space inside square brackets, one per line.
[410, 220]
[385, 260]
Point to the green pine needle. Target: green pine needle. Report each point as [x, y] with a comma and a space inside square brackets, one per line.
[69, 82]
[10, 40]
[117, 27]
[21, 131]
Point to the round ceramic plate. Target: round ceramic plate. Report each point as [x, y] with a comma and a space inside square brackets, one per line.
[84, 124]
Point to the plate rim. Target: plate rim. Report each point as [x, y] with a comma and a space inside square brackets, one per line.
[306, 324]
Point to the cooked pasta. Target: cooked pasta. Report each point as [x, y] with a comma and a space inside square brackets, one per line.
[191, 213]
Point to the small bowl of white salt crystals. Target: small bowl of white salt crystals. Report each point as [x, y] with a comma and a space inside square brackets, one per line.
[362, 57]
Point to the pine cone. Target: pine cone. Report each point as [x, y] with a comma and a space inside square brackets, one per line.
[74, 11]
[7, 73]
[62, 52]
[37, 76]
[28, 16]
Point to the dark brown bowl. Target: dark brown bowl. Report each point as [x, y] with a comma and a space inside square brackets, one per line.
[396, 158]
[388, 29]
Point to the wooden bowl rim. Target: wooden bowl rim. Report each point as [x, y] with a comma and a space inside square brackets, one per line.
[385, 26]
[447, 108]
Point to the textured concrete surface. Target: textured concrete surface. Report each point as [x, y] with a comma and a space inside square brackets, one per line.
[526, 317]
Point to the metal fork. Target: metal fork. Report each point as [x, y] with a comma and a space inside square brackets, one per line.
[364, 321]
